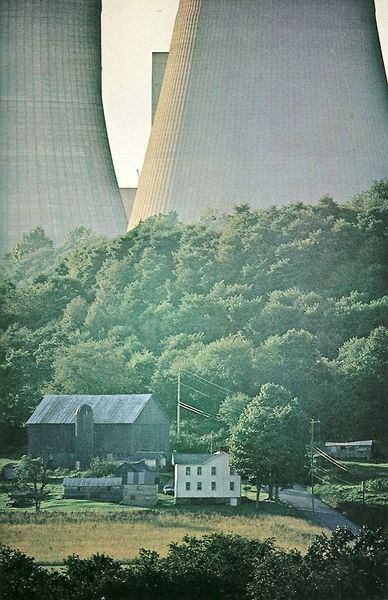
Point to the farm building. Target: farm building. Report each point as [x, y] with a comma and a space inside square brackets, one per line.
[361, 450]
[205, 478]
[136, 472]
[132, 484]
[72, 429]
[108, 489]
[140, 483]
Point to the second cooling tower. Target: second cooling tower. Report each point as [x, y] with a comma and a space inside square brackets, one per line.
[266, 102]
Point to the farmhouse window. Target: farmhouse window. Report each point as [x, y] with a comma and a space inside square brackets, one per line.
[188, 486]
[231, 486]
[214, 486]
[199, 485]
[199, 470]
[231, 471]
[188, 470]
[214, 470]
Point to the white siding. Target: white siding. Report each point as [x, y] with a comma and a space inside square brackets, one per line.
[222, 479]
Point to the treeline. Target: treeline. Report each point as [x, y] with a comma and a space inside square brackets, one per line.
[215, 567]
[293, 296]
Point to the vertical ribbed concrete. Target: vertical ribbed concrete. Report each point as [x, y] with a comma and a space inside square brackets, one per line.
[55, 164]
[266, 102]
[159, 61]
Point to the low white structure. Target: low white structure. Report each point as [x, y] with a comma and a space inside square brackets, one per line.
[140, 495]
[205, 478]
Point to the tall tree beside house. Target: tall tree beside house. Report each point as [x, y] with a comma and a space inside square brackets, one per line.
[268, 443]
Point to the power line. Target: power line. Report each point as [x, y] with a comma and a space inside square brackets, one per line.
[330, 459]
[197, 411]
[208, 381]
[195, 390]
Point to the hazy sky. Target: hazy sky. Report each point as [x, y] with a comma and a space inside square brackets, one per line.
[132, 30]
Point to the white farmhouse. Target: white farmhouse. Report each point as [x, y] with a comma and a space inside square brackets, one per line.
[205, 478]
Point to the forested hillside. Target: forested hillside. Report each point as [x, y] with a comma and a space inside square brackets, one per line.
[295, 296]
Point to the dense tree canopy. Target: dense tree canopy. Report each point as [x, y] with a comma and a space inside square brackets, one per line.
[294, 296]
[216, 566]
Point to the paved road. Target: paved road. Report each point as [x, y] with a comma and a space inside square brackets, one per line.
[323, 513]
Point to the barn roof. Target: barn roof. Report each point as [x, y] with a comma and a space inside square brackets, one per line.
[92, 481]
[106, 409]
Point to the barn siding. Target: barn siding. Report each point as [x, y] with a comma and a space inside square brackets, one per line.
[113, 438]
[53, 440]
[152, 428]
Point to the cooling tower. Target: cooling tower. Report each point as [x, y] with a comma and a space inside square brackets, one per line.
[266, 102]
[55, 164]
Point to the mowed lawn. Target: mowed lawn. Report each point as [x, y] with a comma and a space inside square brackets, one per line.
[122, 534]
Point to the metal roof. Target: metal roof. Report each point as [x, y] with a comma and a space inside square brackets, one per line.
[148, 454]
[358, 443]
[92, 481]
[138, 466]
[190, 459]
[106, 409]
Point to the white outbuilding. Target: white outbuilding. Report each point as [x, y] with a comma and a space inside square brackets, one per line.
[205, 478]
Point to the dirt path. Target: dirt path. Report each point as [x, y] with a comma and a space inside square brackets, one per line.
[324, 514]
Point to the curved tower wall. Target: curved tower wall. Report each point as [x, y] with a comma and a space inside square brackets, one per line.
[265, 103]
[55, 164]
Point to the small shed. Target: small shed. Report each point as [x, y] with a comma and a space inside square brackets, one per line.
[136, 472]
[140, 483]
[140, 495]
[103, 489]
[361, 450]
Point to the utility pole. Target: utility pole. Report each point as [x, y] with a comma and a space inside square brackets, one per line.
[178, 407]
[312, 466]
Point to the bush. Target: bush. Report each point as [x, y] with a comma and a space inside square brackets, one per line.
[22, 579]
[215, 567]
[377, 485]
[100, 468]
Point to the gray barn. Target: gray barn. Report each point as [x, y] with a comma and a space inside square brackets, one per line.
[67, 429]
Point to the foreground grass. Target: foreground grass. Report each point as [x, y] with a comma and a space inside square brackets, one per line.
[50, 537]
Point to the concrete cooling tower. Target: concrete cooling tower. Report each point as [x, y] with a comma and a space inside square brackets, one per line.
[266, 102]
[55, 164]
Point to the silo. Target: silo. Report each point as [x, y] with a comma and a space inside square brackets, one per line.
[84, 435]
[266, 102]
[55, 164]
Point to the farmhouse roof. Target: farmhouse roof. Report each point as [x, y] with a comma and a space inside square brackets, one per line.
[192, 459]
[358, 443]
[106, 409]
[92, 481]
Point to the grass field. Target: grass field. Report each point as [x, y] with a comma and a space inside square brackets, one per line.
[64, 527]
[50, 537]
